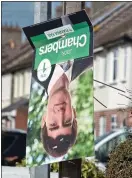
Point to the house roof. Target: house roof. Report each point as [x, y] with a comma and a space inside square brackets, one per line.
[11, 28]
[115, 24]
[16, 105]
[15, 59]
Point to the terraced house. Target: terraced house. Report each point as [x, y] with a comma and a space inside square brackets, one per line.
[112, 23]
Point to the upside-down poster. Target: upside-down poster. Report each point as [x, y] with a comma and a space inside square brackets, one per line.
[60, 117]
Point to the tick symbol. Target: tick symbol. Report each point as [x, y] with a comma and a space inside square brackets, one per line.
[44, 68]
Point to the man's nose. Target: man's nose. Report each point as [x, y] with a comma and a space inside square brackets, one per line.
[59, 108]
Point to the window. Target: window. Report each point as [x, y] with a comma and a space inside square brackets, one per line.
[105, 69]
[13, 123]
[125, 61]
[27, 78]
[101, 68]
[22, 83]
[113, 122]
[109, 64]
[18, 84]
[115, 63]
[102, 127]
[3, 124]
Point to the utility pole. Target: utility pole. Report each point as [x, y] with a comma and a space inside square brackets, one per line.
[71, 169]
[42, 12]
[71, 7]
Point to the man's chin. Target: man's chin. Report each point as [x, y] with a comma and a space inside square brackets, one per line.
[60, 90]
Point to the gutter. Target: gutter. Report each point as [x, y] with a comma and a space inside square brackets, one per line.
[98, 49]
[100, 19]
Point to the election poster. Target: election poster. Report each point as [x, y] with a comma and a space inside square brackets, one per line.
[60, 115]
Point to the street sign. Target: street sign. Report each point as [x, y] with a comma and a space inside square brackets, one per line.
[60, 117]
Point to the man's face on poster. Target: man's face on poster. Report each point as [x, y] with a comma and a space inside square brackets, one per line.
[60, 114]
[59, 125]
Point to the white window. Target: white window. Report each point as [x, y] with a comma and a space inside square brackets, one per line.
[101, 69]
[113, 122]
[102, 126]
[112, 65]
[13, 123]
[3, 123]
[15, 86]
[105, 69]
[115, 64]
[125, 61]
[109, 63]
[20, 84]
[27, 76]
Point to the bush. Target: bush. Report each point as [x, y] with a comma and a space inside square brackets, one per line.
[54, 167]
[88, 170]
[120, 163]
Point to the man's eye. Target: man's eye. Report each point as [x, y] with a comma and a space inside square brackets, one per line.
[53, 124]
[68, 123]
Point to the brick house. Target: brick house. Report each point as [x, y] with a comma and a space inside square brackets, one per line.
[113, 66]
[113, 29]
[15, 78]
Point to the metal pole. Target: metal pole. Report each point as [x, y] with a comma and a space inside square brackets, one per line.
[42, 12]
[72, 7]
[70, 169]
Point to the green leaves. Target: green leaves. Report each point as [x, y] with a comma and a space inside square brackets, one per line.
[84, 108]
[120, 164]
[88, 169]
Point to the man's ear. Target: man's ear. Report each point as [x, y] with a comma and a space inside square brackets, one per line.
[74, 112]
[43, 121]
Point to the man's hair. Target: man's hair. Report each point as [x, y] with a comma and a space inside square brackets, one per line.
[59, 146]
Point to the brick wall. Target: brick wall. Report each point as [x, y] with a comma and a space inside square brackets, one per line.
[121, 115]
[21, 118]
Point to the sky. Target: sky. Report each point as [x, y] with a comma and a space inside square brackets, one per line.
[18, 13]
[21, 13]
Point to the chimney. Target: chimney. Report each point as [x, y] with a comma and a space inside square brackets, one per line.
[59, 10]
[11, 33]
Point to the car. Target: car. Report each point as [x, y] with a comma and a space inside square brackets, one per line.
[13, 146]
[105, 144]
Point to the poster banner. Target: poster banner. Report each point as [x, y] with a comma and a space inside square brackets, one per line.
[60, 117]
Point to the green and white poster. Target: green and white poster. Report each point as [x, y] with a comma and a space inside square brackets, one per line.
[60, 117]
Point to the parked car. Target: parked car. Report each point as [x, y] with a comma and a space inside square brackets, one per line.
[13, 146]
[107, 143]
